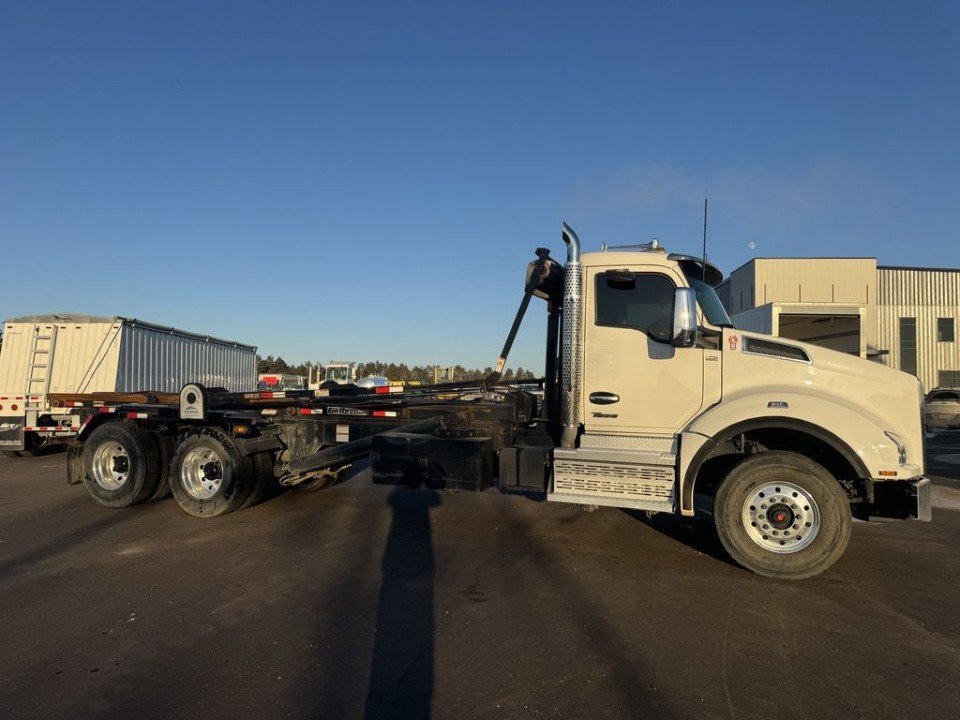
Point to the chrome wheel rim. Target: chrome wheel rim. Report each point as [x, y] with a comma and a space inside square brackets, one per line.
[781, 517]
[111, 465]
[202, 473]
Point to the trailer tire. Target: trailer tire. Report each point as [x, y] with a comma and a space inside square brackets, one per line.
[164, 445]
[261, 468]
[120, 465]
[208, 475]
[36, 445]
[782, 515]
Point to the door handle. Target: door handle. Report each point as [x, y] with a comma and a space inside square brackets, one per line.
[604, 398]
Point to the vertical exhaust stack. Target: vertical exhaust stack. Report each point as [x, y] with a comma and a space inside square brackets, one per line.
[572, 341]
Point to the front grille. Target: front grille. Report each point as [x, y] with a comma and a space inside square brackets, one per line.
[774, 349]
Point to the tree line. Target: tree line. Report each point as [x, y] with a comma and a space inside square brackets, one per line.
[394, 371]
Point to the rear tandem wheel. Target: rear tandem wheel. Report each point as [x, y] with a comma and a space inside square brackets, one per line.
[209, 476]
[120, 465]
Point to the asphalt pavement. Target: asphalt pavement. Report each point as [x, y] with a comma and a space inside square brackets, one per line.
[362, 601]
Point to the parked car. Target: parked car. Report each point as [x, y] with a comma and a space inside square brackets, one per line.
[942, 408]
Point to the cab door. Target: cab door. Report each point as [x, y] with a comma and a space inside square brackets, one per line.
[634, 380]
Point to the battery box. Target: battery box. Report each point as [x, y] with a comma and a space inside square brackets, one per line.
[414, 460]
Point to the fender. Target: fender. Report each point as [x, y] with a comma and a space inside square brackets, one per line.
[762, 423]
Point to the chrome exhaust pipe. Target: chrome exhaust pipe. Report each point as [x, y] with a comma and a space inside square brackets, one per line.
[573, 243]
[571, 340]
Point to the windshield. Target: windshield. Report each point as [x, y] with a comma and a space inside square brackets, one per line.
[710, 303]
[336, 372]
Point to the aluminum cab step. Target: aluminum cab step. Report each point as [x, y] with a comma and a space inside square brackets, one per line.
[619, 478]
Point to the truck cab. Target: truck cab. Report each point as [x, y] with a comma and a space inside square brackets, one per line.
[662, 398]
[340, 372]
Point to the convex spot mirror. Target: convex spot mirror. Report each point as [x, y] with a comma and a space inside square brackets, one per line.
[684, 317]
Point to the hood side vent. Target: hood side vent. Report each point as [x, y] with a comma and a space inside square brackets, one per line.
[774, 349]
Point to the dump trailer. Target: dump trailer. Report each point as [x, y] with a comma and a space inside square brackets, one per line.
[650, 397]
[47, 357]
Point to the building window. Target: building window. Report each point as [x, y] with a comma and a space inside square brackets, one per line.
[944, 329]
[949, 378]
[908, 345]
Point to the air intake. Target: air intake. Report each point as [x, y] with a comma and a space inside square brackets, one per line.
[774, 349]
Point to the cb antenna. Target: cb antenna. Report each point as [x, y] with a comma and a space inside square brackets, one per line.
[704, 278]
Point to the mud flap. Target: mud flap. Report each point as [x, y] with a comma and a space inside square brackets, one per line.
[11, 433]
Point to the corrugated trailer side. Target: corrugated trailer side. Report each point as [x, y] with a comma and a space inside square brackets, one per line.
[152, 357]
[79, 355]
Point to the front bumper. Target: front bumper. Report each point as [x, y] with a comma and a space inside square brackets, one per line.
[899, 500]
[922, 490]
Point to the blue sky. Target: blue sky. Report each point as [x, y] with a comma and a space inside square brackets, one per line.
[368, 180]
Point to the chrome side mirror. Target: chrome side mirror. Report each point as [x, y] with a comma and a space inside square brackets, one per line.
[684, 317]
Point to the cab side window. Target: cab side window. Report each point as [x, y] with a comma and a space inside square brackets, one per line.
[639, 301]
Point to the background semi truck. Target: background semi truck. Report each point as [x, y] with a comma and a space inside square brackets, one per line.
[649, 398]
[46, 356]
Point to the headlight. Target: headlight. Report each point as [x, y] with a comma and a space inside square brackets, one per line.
[901, 448]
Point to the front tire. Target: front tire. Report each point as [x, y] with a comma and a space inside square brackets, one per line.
[782, 515]
[208, 476]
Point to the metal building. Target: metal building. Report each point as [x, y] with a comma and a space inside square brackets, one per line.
[902, 317]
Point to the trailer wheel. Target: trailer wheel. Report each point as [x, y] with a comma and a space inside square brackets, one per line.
[782, 515]
[208, 476]
[164, 445]
[36, 445]
[120, 465]
[261, 469]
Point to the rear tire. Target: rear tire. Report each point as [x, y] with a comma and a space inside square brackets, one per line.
[35, 445]
[261, 468]
[208, 475]
[120, 465]
[781, 515]
[164, 445]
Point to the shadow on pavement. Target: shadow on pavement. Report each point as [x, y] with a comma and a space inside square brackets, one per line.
[401, 672]
[61, 544]
[697, 533]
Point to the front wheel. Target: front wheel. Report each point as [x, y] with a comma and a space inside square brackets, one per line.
[782, 515]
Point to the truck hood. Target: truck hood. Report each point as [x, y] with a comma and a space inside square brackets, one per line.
[888, 398]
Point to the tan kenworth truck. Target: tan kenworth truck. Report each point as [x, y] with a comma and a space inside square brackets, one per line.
[650, 399]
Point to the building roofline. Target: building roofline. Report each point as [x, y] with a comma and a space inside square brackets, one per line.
[794, 257]
[913, 267]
